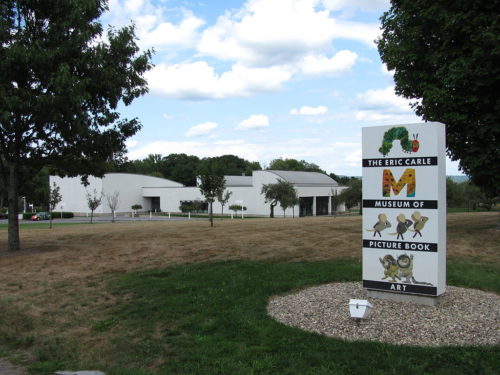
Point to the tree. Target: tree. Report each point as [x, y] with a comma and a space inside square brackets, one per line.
[113, 203]
[237, 207]
[61, 83]
[223, 198]
[93, 201]
[352, 195]
[136, 207]
[281, 192]
[181, 168]
[54, 198]
[337, 199]
[445, 58]
[293, 165]
[212, 184]
[290, 200]
[232, 165]
[343, 180]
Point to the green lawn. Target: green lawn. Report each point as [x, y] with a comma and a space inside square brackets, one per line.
[210, 318]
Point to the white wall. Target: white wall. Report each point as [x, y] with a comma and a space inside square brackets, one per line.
[74, 194]
[129, 187]
[139, 189]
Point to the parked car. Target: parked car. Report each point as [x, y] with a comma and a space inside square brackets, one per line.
[3, 215]
[41, 216]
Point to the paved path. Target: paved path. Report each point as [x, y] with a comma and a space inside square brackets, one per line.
[7, 368]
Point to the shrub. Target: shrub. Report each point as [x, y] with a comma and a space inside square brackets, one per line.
[65, 215]
[236, 208]
[193, 206]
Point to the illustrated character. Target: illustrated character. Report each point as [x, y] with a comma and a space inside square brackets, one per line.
[403, 225]
[415, 144]
[405, 270]
[418, 223]
[380, 225]
[390, 267]
[400, 133]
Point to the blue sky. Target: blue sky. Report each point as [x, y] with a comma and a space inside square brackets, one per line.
[262, 79]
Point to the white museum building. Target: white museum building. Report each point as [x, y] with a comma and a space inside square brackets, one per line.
[161, 195]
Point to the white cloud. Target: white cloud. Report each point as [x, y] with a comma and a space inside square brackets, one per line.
[336, 5]
[309, 111]
[201, 129]
[372, 116]
[386, 72]
[230, 142]
[199, 80]
[153, 27]
[153, 32]
[254, 122]
[354, 158]
[268, 33]
[341, 63]
[383, 99]
[130, 143]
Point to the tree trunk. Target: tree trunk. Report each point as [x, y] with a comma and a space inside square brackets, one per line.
[14, 244]
[272, 209]
[211, 215]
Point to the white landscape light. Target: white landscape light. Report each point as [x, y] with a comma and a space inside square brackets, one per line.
[360, 308]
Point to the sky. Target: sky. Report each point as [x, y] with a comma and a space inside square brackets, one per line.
[262, 79]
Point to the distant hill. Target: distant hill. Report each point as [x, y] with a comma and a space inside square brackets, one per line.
[459, 179]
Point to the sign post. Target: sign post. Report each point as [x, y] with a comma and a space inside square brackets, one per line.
[404, 212]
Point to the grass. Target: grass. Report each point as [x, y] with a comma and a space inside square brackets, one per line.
[40, 225]
[183, 298]
[210, 318]
[495, 208]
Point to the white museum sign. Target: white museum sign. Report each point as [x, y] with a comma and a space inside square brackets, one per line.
[404, 208]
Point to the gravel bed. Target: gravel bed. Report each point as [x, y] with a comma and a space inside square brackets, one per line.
[463, 317]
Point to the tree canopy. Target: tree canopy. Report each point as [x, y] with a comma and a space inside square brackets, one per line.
[61, 82]
[293, 165]
[445, 55]
[281, 192]
[212, 183]
[183, 168]
[352, 195]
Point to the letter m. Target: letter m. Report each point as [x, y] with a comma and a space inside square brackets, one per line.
[408, 178]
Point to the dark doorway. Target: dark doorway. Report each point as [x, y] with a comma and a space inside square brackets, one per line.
[306, 206]
[322, 205]
[155, 204]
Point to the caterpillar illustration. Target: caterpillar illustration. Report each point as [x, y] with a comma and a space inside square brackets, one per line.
[402, 134]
